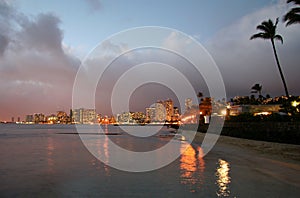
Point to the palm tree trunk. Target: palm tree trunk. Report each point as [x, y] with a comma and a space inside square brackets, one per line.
[279, 68]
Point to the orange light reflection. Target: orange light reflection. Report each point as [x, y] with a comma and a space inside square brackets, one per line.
[192, 167]
[223, 178]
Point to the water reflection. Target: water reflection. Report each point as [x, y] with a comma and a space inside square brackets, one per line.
[50, 151]
[101, 149]
[106, 154]
[223, 178]
[192, 167]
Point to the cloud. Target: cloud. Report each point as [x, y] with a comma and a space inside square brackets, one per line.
[36, 70]
[3, 43]
[177, 42]
[42, 33]
[243, 62]
[7, 15]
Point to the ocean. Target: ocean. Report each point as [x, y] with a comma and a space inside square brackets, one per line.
[54, 161]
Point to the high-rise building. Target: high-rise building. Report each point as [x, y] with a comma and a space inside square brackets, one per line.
[169, 108]
[160, 111]
[176, 115]
[39, 118]
[29, 119]
[150, 114]
[124, 117]
[84, 116]
[138, 117]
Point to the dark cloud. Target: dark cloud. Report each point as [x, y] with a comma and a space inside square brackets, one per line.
[7, 16]
[42, 33]
[36, 71]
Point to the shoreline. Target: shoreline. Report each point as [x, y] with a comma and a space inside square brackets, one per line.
[289, 153]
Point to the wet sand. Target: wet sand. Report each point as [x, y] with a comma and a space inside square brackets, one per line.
[279, 163]
[277, 151]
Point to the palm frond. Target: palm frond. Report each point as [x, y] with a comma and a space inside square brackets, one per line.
[295, 10]
[268, 24]
[259, 35]
[273, 28]
[288, 16]
[276, 23]
[263, 28]
[292, 16]
[297, 2]
[293, 20]
[279, 38]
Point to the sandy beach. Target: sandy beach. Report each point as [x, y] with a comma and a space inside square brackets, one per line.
[277, 162]
[277, 151]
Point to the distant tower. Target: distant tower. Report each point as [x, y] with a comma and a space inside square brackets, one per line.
[84, 116]
[169, 109]
[19, 119]
[150, 114]
[188, 104]
[12, 119]
[160, 111]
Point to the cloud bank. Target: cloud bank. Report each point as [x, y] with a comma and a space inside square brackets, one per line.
[36, 70]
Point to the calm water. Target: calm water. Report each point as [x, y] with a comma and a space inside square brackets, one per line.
[51, 161]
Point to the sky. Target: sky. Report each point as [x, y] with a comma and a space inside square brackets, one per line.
[43, 43]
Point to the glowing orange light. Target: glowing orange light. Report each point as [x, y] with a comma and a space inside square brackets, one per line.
[223, 179]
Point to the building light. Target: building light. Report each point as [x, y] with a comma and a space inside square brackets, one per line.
[295, 103]
[262, 113]
[224, 112]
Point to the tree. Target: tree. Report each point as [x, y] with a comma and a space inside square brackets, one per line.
[292, 16]
[291, 106]
[268, 31]
[200, 95]
[256, 89]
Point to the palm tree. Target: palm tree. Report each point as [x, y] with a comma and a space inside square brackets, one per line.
[256, 89]
[293, 16]
[200, 95]
[268, 31]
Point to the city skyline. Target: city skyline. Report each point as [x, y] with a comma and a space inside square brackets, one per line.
[166, 108]
[166, 111]
[41, 47]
